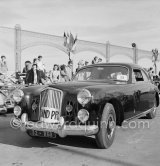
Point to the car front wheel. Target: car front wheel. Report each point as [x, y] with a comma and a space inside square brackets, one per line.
[106, 134]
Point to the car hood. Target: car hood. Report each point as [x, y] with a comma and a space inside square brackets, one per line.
[33, 90]
[74, 86]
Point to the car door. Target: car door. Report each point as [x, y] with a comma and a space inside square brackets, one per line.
[142, 93]
[152, 92]
[130, 105]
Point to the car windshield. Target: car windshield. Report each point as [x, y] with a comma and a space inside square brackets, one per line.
[115, 73]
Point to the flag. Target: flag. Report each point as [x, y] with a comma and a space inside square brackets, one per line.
[64, 34]
[65, 39]
[71, 40]
[75, 39]
[74, 45]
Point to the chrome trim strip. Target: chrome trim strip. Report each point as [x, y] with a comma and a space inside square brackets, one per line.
[139, 115]
[65, 130]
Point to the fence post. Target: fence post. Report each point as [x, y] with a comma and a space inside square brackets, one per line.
[107, 51]
[17, 48]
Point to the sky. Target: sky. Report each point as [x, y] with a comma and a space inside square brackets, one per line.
[121, 22]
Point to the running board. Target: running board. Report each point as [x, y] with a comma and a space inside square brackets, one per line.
[139, 115]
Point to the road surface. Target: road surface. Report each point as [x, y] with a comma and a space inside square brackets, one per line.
[135, 144]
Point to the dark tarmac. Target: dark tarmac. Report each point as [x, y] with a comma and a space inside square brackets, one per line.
[135, 144]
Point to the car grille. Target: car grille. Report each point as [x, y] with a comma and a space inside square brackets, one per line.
[51, 98]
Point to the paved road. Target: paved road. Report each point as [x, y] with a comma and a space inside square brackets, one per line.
[136, 144]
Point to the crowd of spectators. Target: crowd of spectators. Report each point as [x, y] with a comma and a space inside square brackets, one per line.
[35, 72]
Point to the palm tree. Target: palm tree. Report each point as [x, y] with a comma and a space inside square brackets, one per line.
[155, 58]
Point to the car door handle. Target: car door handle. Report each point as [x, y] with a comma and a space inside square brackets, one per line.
[137, 95]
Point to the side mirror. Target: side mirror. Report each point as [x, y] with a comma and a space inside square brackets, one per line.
[122, 77]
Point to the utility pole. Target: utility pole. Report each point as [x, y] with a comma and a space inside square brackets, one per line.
[17, 48]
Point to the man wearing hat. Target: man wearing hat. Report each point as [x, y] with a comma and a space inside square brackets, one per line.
[80, 64]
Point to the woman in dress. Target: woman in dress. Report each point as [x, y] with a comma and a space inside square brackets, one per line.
[55, 74]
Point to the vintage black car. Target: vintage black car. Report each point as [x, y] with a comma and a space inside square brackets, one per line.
[98, 98]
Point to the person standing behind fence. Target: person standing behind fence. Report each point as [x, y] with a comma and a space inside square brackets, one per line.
[26, 69]
[69, 70]
[40, 64]
[63, 74]
[3, 65]
[150, 73]
[34, 75]
[35, 60]
[41, 67]
[29, 67]
[95, 60]
[99, 60]
[55, 74]
[86, 63]
[80, 64]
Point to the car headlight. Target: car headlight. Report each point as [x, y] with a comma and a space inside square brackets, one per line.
[17, 110]
[83, 115]
[18, 95]
[84, 96]
[69, 108]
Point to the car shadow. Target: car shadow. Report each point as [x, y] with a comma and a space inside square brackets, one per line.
[15, 137]
[18, 138]
[71, 144]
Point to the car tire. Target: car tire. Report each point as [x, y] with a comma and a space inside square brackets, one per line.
[106, 134]
[152, 114]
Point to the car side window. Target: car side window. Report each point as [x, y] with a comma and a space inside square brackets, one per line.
[138, 75]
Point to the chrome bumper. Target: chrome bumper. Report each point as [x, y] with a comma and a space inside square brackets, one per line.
[3, 109]
[9, 104]
[60, 129]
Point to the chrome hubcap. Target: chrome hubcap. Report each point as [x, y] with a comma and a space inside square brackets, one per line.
[110, 126]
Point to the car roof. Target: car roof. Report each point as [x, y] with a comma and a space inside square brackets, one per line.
[129, 65]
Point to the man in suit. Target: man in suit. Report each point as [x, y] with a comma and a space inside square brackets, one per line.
[35, 76]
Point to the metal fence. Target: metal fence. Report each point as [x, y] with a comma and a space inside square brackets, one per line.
[25, 39]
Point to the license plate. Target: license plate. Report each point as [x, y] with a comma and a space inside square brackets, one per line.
[44, 134]
[49, 115]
